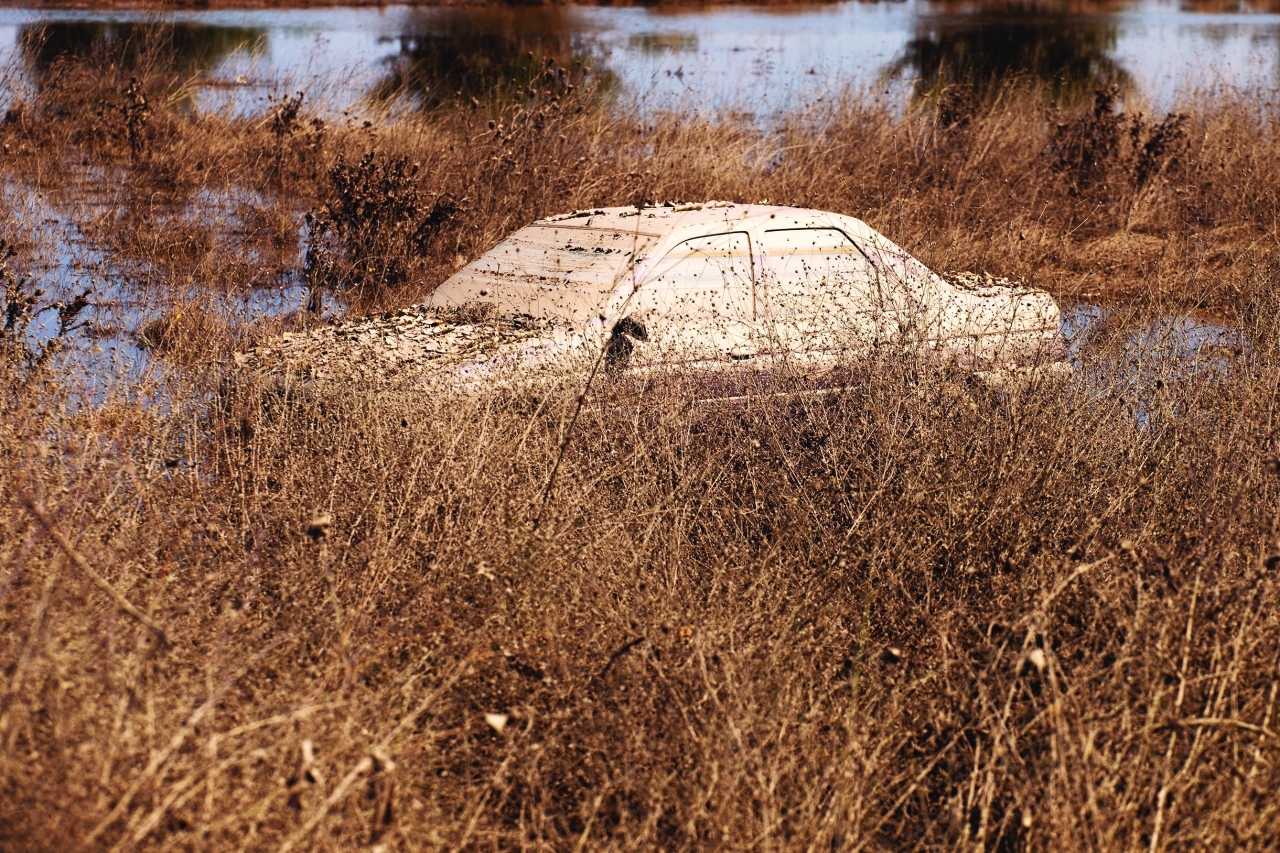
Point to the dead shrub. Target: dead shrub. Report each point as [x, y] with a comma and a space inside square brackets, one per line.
[287, 122]
[1091, 148]
[137, 115]
[1085, 148]
[188, 333]
[1157, 146]
[958, 105]
[377, 223]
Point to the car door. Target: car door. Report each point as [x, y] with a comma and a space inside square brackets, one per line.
[698, 302]
[819, 295]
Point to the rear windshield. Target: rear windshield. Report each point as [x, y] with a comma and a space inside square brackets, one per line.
[553, 270]
[563, 254]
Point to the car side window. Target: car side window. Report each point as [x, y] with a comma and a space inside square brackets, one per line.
[812, 270]
[704, 278]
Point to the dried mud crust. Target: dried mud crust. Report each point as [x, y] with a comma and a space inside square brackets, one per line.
[981, 283]
[398, 348]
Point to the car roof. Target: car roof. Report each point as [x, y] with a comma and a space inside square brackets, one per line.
[664, 218]
[568, 265]
[672, 217]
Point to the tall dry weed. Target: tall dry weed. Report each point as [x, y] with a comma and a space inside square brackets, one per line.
[911, 613]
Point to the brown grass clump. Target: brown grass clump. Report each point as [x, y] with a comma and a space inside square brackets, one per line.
[911, 615]
[188, 333]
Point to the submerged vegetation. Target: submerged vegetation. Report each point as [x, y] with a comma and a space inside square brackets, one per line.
[914, 614]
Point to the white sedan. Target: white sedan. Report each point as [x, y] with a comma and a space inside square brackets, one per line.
[714, 285]
[690, 287]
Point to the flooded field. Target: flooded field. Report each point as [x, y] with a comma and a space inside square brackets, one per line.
[753, 67]
[756, 65]
[939, 608]
[112, 339]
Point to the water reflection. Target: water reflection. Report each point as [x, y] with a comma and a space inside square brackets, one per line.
[1071, 53]
[490, 54]
[762, 59]
[104, 345]
[177, 49]
[1127, 355]
[1230, 7]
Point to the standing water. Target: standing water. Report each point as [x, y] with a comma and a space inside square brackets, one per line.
[760, 59]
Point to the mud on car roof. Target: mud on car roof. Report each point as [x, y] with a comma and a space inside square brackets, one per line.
[567, 266]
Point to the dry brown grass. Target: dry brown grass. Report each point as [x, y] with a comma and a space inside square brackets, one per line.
[913, 615]
[904, 616]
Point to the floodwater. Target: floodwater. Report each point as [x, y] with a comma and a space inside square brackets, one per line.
[103, 342]
[759, 59]
[1171, 346]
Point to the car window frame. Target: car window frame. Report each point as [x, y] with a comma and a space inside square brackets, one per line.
[843, 233]
[875, 273]
[751, 256]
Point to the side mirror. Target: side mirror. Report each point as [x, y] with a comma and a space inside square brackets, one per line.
[618, 351]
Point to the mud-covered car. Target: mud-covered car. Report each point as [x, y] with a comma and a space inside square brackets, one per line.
[707, 285]
[689, 287]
